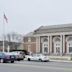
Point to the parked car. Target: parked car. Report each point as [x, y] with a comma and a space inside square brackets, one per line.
[18, 55]
[25, 52]
[6, 57]
[37, 57]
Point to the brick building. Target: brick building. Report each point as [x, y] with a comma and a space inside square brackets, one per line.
[52, 40]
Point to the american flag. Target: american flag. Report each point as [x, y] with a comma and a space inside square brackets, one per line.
[5, 18]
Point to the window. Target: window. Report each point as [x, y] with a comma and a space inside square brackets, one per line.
[57, 49]
[45, 39]
[33, 39]
[70, 49]
[25, 39]
[57, 39]
[45, 45]
[45, 49]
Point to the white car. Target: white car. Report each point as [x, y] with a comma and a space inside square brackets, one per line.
[37, 57]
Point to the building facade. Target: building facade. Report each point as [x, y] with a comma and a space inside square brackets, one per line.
[52, 40]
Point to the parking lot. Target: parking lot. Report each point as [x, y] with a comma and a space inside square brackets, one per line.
[32, 66]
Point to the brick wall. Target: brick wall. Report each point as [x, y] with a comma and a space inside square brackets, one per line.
[31, 43]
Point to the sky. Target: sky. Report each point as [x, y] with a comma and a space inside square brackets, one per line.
[25, 16]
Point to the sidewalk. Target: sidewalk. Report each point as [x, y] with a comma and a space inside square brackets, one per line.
[61, 61]
[60, 58]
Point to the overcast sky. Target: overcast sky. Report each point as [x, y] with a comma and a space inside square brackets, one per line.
[24, 16]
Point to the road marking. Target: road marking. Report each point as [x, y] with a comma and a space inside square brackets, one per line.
[36, 66]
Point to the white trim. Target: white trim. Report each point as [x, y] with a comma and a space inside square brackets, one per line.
[63, 43]
[53, 34]
[50, 44]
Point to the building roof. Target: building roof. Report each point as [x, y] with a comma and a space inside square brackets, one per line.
[51, 29]
[56, 26]
[54, 29]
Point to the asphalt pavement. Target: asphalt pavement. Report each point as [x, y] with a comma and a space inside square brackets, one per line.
[25, 66]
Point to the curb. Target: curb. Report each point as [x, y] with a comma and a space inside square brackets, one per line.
[61, 61]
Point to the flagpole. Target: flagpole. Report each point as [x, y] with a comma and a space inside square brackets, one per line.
[3, 35]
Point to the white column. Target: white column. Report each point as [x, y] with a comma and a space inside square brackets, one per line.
[50, 45]
[29, 48]
[63, 44]
[67, 45]
[8, 48]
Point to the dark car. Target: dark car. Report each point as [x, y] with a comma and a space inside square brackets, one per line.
[6, 57]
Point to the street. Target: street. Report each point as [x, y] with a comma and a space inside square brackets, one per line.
[25, 66]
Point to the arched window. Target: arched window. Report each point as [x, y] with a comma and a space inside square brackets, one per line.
[45, 40]
[69, 39]
[57, 45]
[69, 43]
[45, 49]
[57, 39]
